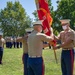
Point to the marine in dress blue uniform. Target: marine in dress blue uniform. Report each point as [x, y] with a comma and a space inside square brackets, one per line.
[2, 41]
[25, 51]
[67, 56]
[35, 45]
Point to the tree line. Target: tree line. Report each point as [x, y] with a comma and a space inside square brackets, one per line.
[14, 19]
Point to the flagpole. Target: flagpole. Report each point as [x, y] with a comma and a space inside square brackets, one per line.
[54, 45]
[55, 56]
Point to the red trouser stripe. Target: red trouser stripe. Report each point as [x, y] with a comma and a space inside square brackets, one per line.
[43, 68]
[72, 60]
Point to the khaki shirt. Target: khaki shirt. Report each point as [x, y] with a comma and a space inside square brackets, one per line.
[24, 43]
[35, 43]
[25, 46]
[2, 41]
[63, 36]
[9, 39]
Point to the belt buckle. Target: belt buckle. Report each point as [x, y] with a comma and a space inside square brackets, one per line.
[34, 56]
[66, 49]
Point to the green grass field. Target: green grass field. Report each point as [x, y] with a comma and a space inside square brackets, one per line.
[12, 62]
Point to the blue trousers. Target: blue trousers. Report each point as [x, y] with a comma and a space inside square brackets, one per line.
[35, 66]
[1, 54]
[67, 62]
[25, 64]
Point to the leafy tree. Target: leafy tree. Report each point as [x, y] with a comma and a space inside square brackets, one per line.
[66, 10]
[14, 19]
[35, 15]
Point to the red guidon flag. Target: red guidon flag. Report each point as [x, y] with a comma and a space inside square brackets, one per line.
[44, 14]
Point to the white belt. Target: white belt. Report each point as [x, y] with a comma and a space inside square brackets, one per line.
[34, 56]
[66, 49]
